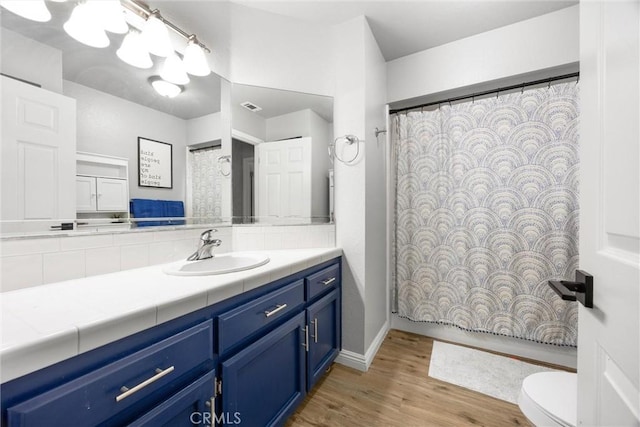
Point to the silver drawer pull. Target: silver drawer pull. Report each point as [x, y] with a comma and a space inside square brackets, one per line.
[129, 391]
[329, 281]
[274, 311]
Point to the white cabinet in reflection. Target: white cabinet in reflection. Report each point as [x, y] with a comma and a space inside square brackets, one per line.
[38, 153]
[292, 181]
[102, 185]
[101, 194]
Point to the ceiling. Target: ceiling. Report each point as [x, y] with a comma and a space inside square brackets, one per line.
[400, 27]
[403, 27]
[276, 102]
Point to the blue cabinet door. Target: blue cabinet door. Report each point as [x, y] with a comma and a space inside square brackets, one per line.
[191, 406]
[264, 383]
[323, 320]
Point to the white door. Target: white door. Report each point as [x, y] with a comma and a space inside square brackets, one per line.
[284, 179]
[609, 334]
[85, 194]
[38, 153]
[112, 194]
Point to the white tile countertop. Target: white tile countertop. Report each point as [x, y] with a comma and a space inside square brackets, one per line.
[46, 324]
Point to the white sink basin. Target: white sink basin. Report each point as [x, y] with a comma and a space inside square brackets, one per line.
[219, 264]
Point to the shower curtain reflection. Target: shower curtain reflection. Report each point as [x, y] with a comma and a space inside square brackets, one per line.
[206, 197]
[486, 213]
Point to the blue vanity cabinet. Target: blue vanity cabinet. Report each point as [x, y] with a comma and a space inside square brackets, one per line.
[120, 391]
[249, 359]
[264, 383]
[323, 320]
[190, 406]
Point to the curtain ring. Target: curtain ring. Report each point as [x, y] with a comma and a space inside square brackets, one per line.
[549, 86]
[497, 94]
[522, 90]
[473, 99]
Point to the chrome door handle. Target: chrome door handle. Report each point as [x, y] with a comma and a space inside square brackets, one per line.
[329, 281]
[126, 392]
[274, 311]
[315, 330]
[305, 344]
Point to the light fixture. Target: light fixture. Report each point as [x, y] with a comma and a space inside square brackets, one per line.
[156, 36]
[110, 14]
[194, 60]
[173, 70]
[83, 26]
[133, 51]
[164, 88]
[34, 10]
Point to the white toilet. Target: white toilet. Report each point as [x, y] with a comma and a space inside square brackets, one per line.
[550, 399]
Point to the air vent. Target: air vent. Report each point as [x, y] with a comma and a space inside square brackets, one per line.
[251, 106]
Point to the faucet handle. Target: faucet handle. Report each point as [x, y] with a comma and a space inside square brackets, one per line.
[206, 235]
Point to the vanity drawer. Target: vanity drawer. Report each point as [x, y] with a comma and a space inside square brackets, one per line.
[322, 281]
[241, 322]
[149, 375]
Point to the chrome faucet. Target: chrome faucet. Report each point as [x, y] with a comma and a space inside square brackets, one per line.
[207, 243]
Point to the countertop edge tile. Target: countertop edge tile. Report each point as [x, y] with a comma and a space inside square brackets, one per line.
[96, 334]
[19, 360]
[175, 308]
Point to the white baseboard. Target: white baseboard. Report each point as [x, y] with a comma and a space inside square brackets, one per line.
[359, 361]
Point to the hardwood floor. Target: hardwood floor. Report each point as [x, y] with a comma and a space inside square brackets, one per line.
[396, 391]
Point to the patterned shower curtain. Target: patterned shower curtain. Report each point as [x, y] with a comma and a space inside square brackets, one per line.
[206, 185]
[486, 213]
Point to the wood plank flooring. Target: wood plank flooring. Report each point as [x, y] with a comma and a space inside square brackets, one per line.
[397, 391]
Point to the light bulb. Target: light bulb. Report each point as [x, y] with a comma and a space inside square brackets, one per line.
[173, 70]
[195, 62]
[110, 15]
[165, 88]
[133, 51]
[83, 26]
[34, 10]
[156, 37]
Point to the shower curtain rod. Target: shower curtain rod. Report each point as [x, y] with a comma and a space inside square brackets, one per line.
[487, 92]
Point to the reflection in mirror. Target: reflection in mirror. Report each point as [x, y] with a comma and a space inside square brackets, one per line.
[89, 108]
[281, 169]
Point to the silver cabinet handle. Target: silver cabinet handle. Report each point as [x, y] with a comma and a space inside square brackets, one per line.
[315, 330]
[329, 281]
[129, 391]
[274, 311]
[305, 344]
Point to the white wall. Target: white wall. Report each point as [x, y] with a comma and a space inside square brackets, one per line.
[248, 122]
[289, 126]
[376, 309]
[110, 125]
[539, 43]
[204, 129]
[30, 60]
[276, 51]
[320, 132]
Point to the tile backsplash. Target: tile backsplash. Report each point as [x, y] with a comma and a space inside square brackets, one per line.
[35, 261]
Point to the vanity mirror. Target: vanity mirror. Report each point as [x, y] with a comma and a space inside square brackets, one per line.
[109, 104]
[280, 165]
[112, 104]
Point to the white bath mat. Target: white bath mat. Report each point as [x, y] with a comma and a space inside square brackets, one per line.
[487, 373]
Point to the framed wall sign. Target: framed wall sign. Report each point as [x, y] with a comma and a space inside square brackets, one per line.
[155, 163]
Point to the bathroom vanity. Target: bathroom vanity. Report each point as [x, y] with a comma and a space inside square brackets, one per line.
[248, 356]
